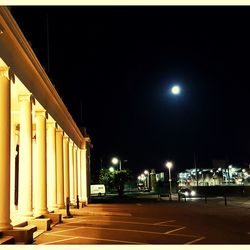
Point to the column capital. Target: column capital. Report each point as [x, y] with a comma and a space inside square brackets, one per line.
[5, 71]
[59, 129]
[65, 136]
[71, 143]
[26, 97]
[43, 113]
[51, 124]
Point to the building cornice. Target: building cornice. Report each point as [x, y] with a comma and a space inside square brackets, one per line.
[19, 56]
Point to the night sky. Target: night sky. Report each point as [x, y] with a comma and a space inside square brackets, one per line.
[120, 63]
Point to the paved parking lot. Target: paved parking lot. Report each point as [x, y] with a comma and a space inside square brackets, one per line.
[150, 222]
[118, 230]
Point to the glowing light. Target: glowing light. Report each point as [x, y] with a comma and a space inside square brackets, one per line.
[176, 90]
[193, 193]
[111, 169]
[169, 164]
[115, 160]
[146, 172]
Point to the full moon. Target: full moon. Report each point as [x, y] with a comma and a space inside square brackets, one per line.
[176, 90]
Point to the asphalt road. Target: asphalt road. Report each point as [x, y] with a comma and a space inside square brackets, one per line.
[146, 220]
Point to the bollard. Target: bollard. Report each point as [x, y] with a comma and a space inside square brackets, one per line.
[179, 198]
[77, 202]
[205, 199]
[67, 208]
[225, 199]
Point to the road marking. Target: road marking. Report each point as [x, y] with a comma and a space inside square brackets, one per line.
[193, 241]
[138, 204]
[90, 238]
[168, 232]
[186, 235]
[130, 222]
[66, 230]
[163, 222]
[51, 242]
[120, 241]
[116, 229]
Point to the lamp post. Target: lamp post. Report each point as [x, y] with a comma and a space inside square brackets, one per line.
[115, 161]
[229, 173]
[146, 173]
[169, 165]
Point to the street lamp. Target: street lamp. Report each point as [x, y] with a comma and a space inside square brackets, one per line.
[115, 161]
[169, 165]
[146, 173]
[111, 169]
[229, 173]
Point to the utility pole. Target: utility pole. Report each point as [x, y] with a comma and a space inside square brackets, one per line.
[197, 183]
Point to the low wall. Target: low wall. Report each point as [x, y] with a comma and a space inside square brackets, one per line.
[222, 190]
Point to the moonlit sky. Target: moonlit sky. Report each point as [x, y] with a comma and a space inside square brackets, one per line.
[119, 64]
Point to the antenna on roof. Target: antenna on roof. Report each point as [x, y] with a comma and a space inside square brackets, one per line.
[47, 26]
[81, 111]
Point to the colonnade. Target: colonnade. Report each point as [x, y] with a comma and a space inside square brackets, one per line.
[40, 165]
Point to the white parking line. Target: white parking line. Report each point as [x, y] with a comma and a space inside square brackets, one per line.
[114, 229]
[196, 240]
[132, 222]
[168, 232]
[91, 238]
[66, 230]
[51, 242]
[185, 235]
[163, 222]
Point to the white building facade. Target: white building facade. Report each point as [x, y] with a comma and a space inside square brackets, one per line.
[44, 157]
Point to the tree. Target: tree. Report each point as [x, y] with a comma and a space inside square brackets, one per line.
[106, 177]
[120, 178]
[115, 179]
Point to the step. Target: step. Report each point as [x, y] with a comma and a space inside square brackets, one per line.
[7, 240]
[54, 217]
[22, 234]
[41, 223]
[37, 233]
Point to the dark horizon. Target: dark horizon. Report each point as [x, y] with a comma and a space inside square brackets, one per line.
[114, 66]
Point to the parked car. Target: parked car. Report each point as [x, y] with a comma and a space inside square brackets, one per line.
[186, 192]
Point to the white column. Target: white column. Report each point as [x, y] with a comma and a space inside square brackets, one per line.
[59, 168]
[51, 166]
[88, 145]
[78, 154]
[14, 140]
[40, 172]
[71, 172]
[75, 171]
[25, 157]
[84, 175]
[66, 166]
[4, 150]
[34, 192]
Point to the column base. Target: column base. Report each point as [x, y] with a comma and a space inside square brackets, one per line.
[60, 206]
[52, 207]
[38, 213]
[25, 214]
[5, 226]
